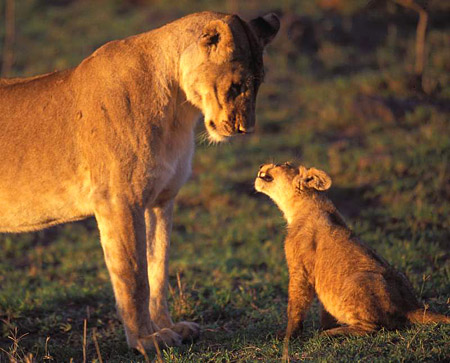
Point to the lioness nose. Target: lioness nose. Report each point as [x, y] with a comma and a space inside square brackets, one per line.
[245, 130]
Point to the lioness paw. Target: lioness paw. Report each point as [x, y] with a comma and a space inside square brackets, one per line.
[163, 338]
[189, 331]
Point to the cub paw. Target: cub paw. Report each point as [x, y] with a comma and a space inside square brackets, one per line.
[188, 331]
[280, 334]
[163, 338]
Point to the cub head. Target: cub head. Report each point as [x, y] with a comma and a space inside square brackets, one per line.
[284, 182]
[222, 71]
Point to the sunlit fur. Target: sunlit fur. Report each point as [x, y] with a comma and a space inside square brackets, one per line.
[359, 290]
[114, 137]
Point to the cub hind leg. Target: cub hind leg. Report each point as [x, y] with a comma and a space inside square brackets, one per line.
[363, 305]
[349, 330]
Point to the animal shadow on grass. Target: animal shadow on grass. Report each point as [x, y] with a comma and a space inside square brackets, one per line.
[59, 322]
[351, 201]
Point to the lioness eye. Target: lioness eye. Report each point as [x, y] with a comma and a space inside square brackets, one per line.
[235, 89]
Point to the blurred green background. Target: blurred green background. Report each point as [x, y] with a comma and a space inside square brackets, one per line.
[341, 94]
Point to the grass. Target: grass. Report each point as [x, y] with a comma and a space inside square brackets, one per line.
[344, 108]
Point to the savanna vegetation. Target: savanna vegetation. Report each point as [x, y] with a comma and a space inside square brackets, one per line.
[341, 93]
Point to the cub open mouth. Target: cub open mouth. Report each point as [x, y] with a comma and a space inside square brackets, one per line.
[264, 176]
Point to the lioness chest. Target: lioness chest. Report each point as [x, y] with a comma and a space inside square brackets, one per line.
[174, 168]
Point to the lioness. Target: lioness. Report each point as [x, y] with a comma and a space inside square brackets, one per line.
[113, 138]
[357, 287]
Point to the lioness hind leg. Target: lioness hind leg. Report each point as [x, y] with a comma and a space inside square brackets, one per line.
[158, 228]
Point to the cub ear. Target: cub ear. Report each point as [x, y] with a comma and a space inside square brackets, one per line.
[311, 179]
[265, 27]
[217, 41]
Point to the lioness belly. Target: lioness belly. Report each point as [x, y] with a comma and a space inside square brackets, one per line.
[30, 209]
[35, 196]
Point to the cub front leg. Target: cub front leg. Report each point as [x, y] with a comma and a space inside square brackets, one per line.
[301, 294]
[300, 298]
[122, 233]
[158, 222]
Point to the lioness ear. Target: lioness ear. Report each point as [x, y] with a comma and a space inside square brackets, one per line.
[312, 179]
[217, 41]
[266, 27]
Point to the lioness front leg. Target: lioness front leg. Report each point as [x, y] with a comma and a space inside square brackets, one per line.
[122, 233]
[159, 226]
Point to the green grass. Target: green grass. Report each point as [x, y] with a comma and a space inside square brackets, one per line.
[344, 109]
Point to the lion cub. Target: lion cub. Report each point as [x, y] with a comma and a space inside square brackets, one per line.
[358, 288]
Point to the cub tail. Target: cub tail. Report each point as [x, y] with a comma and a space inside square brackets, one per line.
[421, 316]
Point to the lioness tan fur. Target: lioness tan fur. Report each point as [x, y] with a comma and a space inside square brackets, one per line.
[356, 287]
[113, 137]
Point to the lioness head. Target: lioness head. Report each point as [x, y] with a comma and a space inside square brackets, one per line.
[284, 182]
[221, 73]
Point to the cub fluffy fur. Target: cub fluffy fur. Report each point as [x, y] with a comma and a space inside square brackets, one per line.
[113, 137]
[356, 287]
